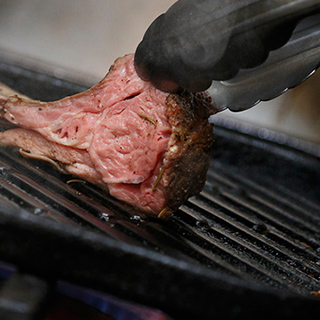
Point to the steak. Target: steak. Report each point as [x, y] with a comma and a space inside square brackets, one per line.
[146, 147]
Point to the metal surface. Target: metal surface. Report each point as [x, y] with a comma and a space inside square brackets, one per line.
[249, 241]
[284, 69]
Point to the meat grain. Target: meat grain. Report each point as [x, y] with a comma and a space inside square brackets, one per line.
[146, 147]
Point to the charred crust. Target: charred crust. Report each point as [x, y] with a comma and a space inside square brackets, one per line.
[187, 159]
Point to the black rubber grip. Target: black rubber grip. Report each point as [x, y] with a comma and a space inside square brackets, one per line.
[197, 41]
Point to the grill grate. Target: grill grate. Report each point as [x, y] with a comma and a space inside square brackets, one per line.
[235, 225]
[257, 219]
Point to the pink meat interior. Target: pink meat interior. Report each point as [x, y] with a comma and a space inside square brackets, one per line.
[120, 123]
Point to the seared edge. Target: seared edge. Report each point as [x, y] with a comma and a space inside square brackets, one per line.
[187, 160]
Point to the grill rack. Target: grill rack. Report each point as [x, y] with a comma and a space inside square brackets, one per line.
[253, 234]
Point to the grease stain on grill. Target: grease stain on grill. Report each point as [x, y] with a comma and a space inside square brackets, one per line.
[215, 190]
[203, 225]
[260, 228]
[106, 216]
[3, 172]
[136, 218]
[39, 211]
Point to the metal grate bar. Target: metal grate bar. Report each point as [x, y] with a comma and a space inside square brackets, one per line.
[169, 239]
[269, 216]
[303, 229]
[241, 242]
[287, 198]
[252, 229]
[29, 203]
[266, 247]
[223, 255]
[52, 195]
[299, 242]
[223, 247]
[291, 235]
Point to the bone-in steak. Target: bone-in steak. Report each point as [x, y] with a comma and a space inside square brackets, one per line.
[148, 148]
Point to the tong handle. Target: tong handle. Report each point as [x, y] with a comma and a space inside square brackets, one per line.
[285, 68]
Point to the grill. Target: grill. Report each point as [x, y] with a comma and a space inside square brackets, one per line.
[248, 245]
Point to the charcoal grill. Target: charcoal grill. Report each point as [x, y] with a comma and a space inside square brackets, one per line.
[248, 245]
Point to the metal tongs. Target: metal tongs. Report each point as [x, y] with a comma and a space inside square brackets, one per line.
[244, 51]
[284, 69]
